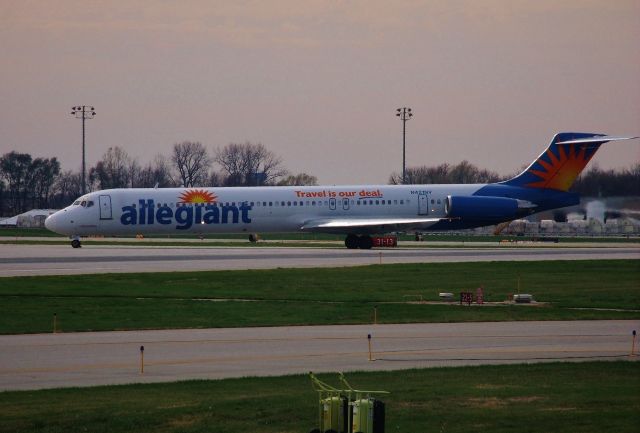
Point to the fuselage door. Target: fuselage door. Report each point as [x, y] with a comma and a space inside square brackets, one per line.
[105, 207]
[423, 205]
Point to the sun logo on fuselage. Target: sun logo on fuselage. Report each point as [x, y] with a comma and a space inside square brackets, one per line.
[197, 196]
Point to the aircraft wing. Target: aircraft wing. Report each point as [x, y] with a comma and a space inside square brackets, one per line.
[366, 225]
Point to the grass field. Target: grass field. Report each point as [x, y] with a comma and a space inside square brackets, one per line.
[600, 289]
[582, 397]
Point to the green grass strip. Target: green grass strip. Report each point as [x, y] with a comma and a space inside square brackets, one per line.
[558, 397]
[571, 290]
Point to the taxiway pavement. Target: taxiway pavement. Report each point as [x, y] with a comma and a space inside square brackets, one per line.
[100, 358]
[18, 260]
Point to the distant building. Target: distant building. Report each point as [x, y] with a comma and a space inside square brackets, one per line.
[32, 218]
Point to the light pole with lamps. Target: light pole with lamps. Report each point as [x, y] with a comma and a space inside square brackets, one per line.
[404, 114]
[83, 112]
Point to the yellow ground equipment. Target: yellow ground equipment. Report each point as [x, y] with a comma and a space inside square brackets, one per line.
[347, 410]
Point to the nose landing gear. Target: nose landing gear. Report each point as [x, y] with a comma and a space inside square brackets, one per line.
[363, 242]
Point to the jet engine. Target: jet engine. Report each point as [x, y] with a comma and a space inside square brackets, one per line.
[486, 208]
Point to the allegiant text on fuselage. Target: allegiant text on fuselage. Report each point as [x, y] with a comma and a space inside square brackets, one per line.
[147, 213]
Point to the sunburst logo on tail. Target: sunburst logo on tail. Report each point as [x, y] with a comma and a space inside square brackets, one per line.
[558, 171]
[197, 196]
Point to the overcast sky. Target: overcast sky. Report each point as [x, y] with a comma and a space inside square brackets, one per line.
[318, 82]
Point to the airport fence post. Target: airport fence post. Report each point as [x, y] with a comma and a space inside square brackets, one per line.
[141, 359]
[55, 323]
[633, 343]
[369, 339]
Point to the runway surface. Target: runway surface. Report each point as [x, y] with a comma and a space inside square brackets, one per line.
[84, 359]
[17, 260]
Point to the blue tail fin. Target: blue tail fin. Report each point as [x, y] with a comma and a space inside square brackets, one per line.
[561, 163]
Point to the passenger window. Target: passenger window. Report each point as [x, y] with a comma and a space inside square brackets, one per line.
[89, 203]
[288, 203]
[401, 201]
[377, 202]
[438, 201]
[270, 203]
[433, 201]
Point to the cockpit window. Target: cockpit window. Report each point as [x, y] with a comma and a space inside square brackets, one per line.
[83, 203]
[76, 203]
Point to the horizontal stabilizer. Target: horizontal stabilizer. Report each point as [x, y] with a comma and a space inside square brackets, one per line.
[596, 140]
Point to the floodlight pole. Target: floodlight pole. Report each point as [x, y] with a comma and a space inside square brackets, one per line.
[405, 114]
[83, 112]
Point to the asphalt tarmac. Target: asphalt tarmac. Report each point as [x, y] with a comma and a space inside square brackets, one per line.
[101, 358]
[19, 260]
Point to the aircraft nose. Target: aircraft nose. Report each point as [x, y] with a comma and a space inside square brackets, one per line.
[51, 222]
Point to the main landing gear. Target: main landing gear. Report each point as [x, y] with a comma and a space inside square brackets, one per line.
[363, 242]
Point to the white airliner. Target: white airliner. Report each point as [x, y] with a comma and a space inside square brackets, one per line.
[356, 211]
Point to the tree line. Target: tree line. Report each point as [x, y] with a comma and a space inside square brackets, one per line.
[28, 183]
[31, 183]
[594, 182]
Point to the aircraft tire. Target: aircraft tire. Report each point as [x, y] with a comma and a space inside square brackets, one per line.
[352, 242]
[366, 243]
[76, 243]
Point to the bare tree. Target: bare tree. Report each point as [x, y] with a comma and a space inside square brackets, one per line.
[191, 160]
[157, 172]
[15, 169]
[216, 179]
[463, 172]
[42, 176]
[300, 179]
[249, 164]
[67, 187]
[113, 170]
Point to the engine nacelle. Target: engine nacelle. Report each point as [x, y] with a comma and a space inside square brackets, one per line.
[483, 208]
